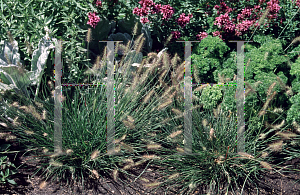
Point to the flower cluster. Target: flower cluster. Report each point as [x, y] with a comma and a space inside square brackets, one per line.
[297, 2]
[93, 19]
[217, 33]
[274, 8]
[167, 12]
[183, 20]
[225, 23]
[223, 8]
[176, 34]
[98, 3]
[246, 18]
[201, 36]
[148, 5]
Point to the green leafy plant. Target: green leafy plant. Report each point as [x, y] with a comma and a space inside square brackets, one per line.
[7, 169]
[13, 75]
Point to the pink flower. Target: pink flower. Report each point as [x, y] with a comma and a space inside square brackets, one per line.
[183, 20]
[98, 3]
[201, 36]
[141, 12]
[93, 19]
[146, 3]
[156, 9]
[176, 34]
[167, 12]
[224, 22]
[144, 20]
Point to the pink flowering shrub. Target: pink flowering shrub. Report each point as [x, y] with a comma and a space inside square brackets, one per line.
[93, 19]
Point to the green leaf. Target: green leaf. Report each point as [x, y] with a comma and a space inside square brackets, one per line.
[48, 20]
[11, 181]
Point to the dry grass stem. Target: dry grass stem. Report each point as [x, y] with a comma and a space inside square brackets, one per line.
[201, 87]
[270, 89]
[262, 112]
[173, 176]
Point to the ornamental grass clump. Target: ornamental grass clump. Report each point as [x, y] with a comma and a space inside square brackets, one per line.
[141, 109]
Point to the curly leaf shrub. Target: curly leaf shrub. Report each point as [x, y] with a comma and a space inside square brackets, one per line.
[264, 66]
[208, 55]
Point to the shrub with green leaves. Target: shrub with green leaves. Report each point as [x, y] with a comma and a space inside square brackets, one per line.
[266, 64]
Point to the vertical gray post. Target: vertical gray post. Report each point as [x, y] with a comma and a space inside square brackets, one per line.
[57, 100]
[240, 95]
[188, 136]
[110, 98]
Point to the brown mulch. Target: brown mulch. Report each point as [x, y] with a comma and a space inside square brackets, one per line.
[268, 183]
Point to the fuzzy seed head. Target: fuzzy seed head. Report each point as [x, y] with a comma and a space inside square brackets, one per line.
[211, 134]
[286, 135]
[179, 149]
[175, 175]
[128, 124]
[153, 184]
[95, 173]
[165, 104]
[89, 35]
[115, 174]
[151, 157]
[296, 126]
[29, 132]
[263, 17]
[95, 154]
[11, 39]
[264, 154]
[153, 146]
[69, 151]
[244, 154]
[204, 122]
[277, 146]
[174, 134]
[176, 111]
[266, 165]
[144, 179]
[128, 160]
[43, 184]
[297, 39]
[3, 124]
[55, 164]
